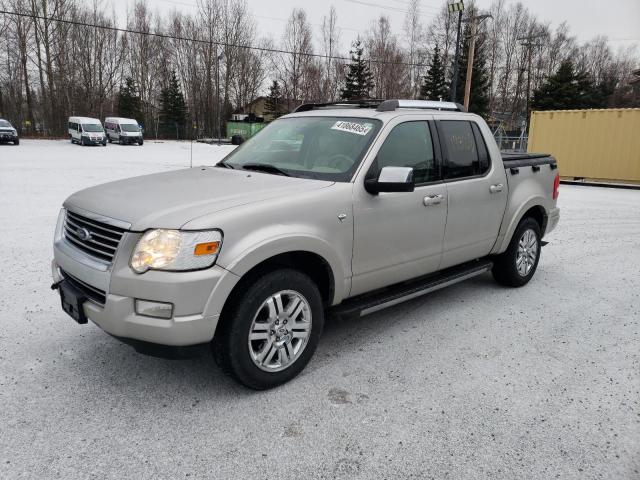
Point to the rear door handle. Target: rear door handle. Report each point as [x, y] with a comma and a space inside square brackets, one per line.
[432, 199]
[496, 188]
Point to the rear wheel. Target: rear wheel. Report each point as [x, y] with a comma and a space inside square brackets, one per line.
[271, 329]
[516, 266]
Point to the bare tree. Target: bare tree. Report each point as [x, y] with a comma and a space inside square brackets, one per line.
[330, 47]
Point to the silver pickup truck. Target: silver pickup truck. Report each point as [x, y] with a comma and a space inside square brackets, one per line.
[337, 208]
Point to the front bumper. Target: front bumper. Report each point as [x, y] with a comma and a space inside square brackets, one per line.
[197, 296]
[8, 137]
[90, 141]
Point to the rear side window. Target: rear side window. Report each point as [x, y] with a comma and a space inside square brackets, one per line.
[483, 153]
[465, 157]
[409, 145]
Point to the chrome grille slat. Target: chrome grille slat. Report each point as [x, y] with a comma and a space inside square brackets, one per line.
[103, 241]
[108, 228]
[91, 241]
[77, 225]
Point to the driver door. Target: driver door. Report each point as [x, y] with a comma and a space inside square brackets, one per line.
[399, 236]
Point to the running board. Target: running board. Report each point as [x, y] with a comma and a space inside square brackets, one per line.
[371, 302]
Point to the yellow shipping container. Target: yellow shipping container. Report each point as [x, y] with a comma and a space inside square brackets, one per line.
[593, 144]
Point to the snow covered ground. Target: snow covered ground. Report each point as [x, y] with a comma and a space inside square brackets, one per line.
[474, 381]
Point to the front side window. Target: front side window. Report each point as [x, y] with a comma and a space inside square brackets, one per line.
[409, 145]
[324, 148]
[463, 157]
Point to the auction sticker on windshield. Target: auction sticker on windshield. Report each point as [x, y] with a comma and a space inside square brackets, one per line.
[352, 127]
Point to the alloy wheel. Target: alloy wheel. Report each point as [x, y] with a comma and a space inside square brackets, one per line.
[280, 331]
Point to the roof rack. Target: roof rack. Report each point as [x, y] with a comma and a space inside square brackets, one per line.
[383, 105]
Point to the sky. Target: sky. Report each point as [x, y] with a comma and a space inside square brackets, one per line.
[617, 19]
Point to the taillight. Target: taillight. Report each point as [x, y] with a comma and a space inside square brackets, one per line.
[556, 187]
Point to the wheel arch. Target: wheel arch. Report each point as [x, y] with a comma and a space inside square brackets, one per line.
[307, 262]
[534, 209]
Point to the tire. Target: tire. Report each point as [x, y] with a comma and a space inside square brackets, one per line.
[82, 142]
[104, 142]
[141, 142]
[517, 265]
[109, 139]
[292, 337]
[16, 141]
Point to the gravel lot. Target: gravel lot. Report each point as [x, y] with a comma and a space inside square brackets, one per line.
[475, 381]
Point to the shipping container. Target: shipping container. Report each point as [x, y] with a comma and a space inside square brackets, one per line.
[590, 144]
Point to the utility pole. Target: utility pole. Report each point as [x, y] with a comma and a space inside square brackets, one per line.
[218, 113]
[528, 42]
[457, 6]
[475, 20]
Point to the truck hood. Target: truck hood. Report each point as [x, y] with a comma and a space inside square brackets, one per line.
[171, 199]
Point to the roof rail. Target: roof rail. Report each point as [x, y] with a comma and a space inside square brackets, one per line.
[383, 105]
[365, 103]
[391, 105]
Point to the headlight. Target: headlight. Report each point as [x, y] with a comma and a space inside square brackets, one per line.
[176, 250]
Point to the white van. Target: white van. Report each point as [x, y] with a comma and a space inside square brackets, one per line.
[123, 130]
[86, 131]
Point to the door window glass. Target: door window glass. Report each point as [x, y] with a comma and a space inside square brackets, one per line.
[409, 145]
[462, 154]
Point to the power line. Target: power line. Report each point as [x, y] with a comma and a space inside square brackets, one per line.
[197, 40]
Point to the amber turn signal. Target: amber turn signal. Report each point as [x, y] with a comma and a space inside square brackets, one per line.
[209, 248]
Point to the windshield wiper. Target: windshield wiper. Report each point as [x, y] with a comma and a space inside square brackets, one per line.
[265, 167]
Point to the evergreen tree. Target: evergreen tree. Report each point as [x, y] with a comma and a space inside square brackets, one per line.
[173, 109]
[568, 89]
[359, 80]
[433, 85]
[479, 95]
[129, 101]
[274, 106]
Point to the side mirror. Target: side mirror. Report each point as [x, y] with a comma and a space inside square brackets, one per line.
[391, 179]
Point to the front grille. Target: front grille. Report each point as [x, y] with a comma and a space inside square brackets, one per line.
[92, 293]
[95, 238]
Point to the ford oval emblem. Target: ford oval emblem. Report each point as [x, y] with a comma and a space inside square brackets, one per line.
[83, 234]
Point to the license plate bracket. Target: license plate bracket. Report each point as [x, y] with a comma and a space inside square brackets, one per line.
[72, 301]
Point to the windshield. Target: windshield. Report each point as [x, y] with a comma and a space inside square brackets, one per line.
[5, 124]
[129, 127]
[91, 127]
[325, 148]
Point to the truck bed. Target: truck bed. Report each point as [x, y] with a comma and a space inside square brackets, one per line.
[517, 160]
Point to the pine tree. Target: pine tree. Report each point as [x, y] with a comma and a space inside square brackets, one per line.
[567, 90]
[359, 79]
[479, 95]
[433, 85]
[173, 109]
[129, 101]
[274, 107]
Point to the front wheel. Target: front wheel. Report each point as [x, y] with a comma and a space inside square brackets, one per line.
[516, 266]
[16, 141]
[271, 329]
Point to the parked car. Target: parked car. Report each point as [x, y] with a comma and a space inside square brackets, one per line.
[123, 130]
[8, 133]
[86, 131]
[343, 208]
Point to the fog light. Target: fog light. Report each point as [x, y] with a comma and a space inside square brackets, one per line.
[154, 309]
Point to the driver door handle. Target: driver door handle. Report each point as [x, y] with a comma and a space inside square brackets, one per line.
[433, 199]
[496, 188]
